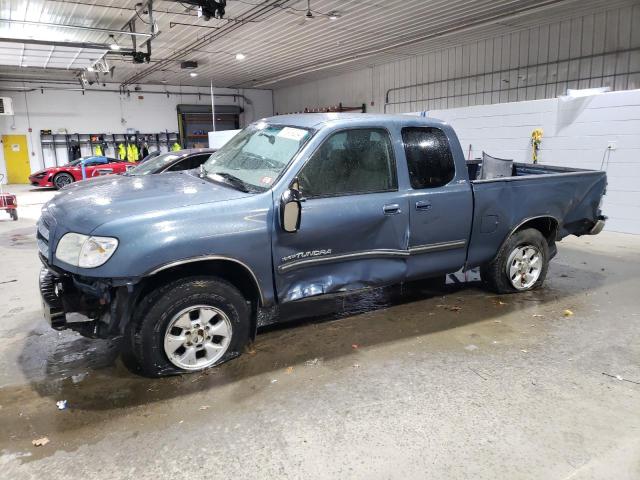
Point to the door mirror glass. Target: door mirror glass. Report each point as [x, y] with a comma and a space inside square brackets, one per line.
[290, 211]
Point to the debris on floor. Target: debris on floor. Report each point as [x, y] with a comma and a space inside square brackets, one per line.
[40, 442]
[567, 313]
[61, 404]
[289, 370]
[354, 346]
[621, 378]
[471, 347]
[311, 363]
[451, 308]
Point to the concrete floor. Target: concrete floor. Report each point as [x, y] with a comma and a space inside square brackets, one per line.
[399, 383]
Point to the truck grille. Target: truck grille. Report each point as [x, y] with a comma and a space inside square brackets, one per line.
[43, 237]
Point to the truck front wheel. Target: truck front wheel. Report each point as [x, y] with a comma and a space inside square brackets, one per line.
[521, 263]
[187, 325]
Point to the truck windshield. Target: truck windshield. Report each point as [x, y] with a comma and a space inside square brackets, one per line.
[257, 155]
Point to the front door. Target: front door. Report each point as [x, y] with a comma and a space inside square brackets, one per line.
[16, 158]
[353, 232]
[440, 204]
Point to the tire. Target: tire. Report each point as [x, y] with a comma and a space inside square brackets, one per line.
[516, 267]
[14, 214]
[171, 321]
[61, 180]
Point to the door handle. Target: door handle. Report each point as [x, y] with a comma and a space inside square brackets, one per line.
[423, 205]
[391, 209]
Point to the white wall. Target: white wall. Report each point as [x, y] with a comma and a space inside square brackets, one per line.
[576, 134]
[600, 49]
[101, 112]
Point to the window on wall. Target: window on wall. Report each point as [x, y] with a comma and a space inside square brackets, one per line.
[350, 162]
[429, 157]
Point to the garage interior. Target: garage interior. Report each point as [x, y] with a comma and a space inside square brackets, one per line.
[410, 380]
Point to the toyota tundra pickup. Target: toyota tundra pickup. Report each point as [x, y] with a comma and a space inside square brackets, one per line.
[186, 266]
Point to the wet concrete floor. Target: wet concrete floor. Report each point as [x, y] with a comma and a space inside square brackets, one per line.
[401, 382]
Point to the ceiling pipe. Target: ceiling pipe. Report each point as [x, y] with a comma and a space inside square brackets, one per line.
[541, 6]
[30, 41]
[77, 27]
[110, 90]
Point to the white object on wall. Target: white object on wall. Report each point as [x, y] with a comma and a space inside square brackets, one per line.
[6, 106]
[219, 138]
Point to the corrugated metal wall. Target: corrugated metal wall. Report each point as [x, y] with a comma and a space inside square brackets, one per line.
[601, 49]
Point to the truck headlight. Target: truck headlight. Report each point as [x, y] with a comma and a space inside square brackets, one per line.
[85, 251]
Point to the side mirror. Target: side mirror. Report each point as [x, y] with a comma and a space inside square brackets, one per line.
[290, 210]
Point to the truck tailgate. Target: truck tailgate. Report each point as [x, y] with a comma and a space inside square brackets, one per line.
[570, 196]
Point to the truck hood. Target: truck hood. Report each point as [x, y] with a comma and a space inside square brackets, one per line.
[82, 207]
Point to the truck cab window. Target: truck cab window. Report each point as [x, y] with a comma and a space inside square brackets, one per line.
[428, 157]
[349, 162]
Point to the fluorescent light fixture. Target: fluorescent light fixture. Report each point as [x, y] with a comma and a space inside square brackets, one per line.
[194, 74]
[240, 56]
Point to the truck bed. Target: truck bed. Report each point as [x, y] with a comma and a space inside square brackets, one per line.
[570, 197]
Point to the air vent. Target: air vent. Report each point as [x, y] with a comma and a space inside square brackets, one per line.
[6, 106]
[189, 65]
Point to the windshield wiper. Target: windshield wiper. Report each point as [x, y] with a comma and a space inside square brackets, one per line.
[234, 181]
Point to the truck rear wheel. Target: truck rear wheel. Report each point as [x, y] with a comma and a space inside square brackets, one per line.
[521, 263]
[187, 325]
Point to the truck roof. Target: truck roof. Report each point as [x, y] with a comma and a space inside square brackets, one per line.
[315, 120]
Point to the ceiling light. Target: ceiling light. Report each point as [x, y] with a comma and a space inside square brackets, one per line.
[194, 74]
[240, 56]
[334, 15]
[113, 45]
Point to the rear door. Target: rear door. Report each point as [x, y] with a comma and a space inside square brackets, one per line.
[353, 231]
[440, 204]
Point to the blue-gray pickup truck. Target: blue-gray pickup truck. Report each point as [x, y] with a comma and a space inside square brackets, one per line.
[184, 265]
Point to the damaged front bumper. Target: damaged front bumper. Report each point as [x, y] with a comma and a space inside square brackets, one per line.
[91, 307]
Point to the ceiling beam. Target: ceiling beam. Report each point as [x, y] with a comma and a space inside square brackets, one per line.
[76, 27]
[86, 45]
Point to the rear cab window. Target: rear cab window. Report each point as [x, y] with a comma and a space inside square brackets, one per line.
[429, 157]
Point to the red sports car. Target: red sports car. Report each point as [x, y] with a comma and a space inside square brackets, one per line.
[62, 176]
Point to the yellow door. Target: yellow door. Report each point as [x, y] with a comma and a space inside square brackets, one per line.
[16, 158]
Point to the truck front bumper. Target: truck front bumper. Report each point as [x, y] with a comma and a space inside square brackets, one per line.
[94, 311]
[52, 307]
